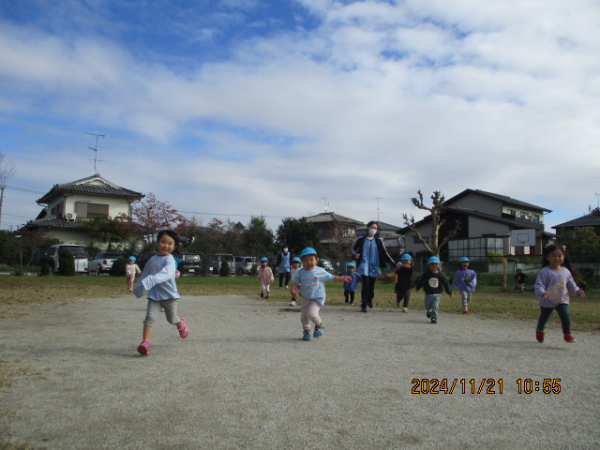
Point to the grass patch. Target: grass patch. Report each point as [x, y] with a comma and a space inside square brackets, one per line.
[20, 294]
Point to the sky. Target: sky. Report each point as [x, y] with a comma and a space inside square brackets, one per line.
[231, 109]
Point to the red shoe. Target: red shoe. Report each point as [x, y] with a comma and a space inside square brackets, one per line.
[183, 329]
[570, 338]
[539, 335]
[144, 348]
[465, 310]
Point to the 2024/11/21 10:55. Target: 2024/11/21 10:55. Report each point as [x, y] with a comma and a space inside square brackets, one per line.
[485, 386]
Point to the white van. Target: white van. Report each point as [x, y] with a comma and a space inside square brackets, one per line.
[79, 253]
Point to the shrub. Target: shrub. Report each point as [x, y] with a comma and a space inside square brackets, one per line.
[66, 263]
[46, 265]
[118, 267]
[224, 272]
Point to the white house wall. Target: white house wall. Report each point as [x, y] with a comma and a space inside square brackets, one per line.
[116, 205]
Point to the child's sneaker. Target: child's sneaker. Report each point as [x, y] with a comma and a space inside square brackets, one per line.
[183, 328]
[465, 310]
[144, 348]
[404, 310]
[306, 336]
[433, 320]
[570, 338]
[262, 294]
[318, 331]
[268, 295]
[539, 335]
[428, 314]
[292, 303]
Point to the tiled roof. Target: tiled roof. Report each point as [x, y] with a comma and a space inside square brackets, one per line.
[332, 217]
[503, 198]
[84, 186]
[55, 224]
[589, 220]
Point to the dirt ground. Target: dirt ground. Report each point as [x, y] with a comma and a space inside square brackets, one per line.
[72, 379]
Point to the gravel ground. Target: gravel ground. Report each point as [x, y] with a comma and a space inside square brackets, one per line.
[245, 379]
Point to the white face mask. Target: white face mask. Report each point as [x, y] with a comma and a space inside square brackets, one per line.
[285, 250]
[371, 232]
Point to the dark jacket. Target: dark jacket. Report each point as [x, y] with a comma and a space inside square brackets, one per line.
[381, 250]
[439, 284]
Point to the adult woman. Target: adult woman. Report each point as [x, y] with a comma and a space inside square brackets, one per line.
[283, 264]
[371, 256]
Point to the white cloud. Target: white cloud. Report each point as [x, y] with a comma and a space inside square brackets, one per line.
[380, 100]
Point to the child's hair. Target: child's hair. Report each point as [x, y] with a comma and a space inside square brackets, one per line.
[373, 222]
[552, 247]
[173, 236]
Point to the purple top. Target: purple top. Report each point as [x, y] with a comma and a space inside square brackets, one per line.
[557, 283]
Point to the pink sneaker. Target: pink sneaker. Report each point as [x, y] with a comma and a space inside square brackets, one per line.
[183, 329]
[144, 348]
[465, 310]
[570, 338]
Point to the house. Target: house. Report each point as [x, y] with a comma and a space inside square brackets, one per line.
[67, 205]
[487, 221]
[589, 220]
[333, 228]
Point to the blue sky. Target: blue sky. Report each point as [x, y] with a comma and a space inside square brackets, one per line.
[239, 108]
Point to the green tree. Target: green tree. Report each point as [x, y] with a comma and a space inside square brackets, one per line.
[110, 231]
[298, 234]
[257, 238]
[583, 244]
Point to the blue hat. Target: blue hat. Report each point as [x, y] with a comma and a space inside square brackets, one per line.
[296, 259]
[463, 259]
[308, 251]
[434, 260]
[132, 258]
[406, 257]
[264, 258]
[350, 264]
[519, 268]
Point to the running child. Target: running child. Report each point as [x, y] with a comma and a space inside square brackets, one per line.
[433, 282]
[350, 288]
[265, 277]
[158, 278]
[553, 285]
[294, 267]
[404, 273]
[309, 281]
[466, 280]
[131, 270]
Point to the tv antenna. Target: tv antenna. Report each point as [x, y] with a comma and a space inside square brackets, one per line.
[95, 149]
[378, 211]
[326, 202]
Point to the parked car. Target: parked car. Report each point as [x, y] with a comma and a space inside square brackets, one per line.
[143, 258]
[102, 262]
[79, 253]
[191, 264]
[214, 262]
[243, 264]
[326, 264]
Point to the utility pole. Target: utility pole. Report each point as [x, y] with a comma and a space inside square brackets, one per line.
[95, 149]
[378, 212]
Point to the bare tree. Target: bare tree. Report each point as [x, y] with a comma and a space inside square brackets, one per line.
[436, 211]
[6, 171]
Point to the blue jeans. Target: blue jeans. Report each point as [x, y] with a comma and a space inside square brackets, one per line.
[432, 303]
[563, 313]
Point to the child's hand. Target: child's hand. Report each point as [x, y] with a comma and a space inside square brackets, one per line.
[545, 295]
[347, 279]
[177, 274]
[580, 293]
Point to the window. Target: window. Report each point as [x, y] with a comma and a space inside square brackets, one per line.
[535, 218]
[57, 210]
[525, 216]
[511, 212]
[91, 210]
[475, 249]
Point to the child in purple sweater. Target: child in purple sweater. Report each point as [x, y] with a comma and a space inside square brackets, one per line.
[552, 286]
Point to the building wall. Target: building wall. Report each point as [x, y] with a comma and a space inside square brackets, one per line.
[479, 203]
